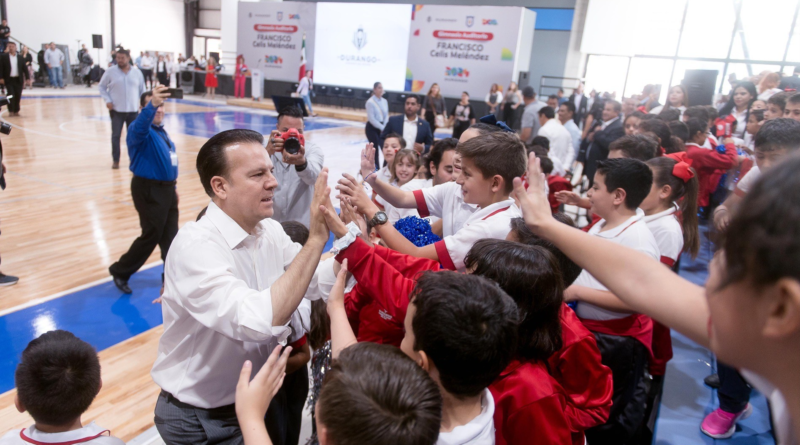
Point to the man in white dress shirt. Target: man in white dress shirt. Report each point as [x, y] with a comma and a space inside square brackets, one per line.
[561, 151]
[233, 282]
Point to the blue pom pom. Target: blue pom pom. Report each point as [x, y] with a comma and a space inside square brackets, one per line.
[416, 230]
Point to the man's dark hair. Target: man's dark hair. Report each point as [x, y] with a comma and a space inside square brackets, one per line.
[467, 326]
[483, 128]
[212, 159]
[530, 276]
[524, 235]
[547, 112]
[290, 111]
[695, 125]
[669, 115]
[413, 96]
[615, 105]
[399, 138]
[375, 394]
[636, 146]
[145, 97]
[631, 175]
[541, 140]
[438, 149]
[124, 51]
[698, 111]
[778, 134]
[680, 130]
[779, 100]
[528, 92]
[546, 164]
[552, 96]
[570, 106]
[500, 153]
[57, 377]
[296, 231]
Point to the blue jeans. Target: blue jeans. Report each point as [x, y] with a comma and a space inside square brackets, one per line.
[307, 100]
[55, 77]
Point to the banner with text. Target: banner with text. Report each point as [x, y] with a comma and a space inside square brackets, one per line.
[270, 37]
[462, 48]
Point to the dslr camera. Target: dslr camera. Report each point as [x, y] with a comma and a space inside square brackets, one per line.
[292, 141]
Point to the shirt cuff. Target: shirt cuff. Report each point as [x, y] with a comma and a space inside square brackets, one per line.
[422, 206]
[255, 315]
[444, 255]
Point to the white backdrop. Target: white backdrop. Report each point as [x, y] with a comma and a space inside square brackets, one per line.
[270, 37]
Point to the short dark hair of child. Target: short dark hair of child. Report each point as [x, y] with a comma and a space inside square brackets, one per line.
[713, 113]
[297, 232]
[778, 134]
[680, 130]
[631, 175]
[546, 164]
[522, 233]
[794, 98]
[695, 126]
[375, 394]
[531, 277]
[399, 138]
[669, 114]
[500, 153]
[467, 326]
[482, 128]
[661, 129]
[540, 151]
[547, 112]
[541, 140]
[779, 100]
[698, 111]
[57, 378]
[636, 146]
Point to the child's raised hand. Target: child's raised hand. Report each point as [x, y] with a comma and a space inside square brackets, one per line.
[568, 197]
[350, 188]
[253, 397]
[533, 201]
[336, 297]
[367, 160]
[350, 214]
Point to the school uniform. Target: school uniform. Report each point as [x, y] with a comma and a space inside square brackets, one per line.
[529, 406]
[89, 434]
[624, 340]
[710, 165]
[445, 201]
[376, 307]
[394, 214]
[556, 183]
[578, 368]
[479, 431]
[493, 221]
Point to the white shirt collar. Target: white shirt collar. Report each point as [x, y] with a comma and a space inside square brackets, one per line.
[658, 215]
[233, 233]
[616, 231]
[87, 431]
[479, 430]
[488, 210]
[406, 119]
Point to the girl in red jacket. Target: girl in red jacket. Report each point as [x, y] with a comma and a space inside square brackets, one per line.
[710, 165]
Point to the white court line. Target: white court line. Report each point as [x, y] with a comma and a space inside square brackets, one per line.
[68, 291]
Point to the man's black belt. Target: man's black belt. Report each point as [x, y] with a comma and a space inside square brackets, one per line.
[155, 181]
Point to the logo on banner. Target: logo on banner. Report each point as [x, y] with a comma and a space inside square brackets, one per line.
[273, 60]
[456, 72]
[463, 35]
[275, 28]
[280, 16]
[489, 22]
[360, 38]
[470, 21]
[294, 16]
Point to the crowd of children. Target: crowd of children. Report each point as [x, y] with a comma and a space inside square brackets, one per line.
[514, 326]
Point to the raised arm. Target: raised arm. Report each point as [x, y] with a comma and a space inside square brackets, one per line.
[646, 286]
[342, 334]
[401, 199]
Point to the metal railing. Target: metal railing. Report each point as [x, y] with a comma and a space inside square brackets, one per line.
[544, 85]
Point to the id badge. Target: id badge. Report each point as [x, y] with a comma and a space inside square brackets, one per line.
[174, 158]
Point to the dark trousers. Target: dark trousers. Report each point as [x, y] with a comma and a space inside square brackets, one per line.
[374, 136]
[430, 118]
[179, 423]
[460, 127]
[163, 78]
[733, 392]
[14, 86]
[285, 413]
[157, 204]
[627, 358]
[117, 119]
[148, 75]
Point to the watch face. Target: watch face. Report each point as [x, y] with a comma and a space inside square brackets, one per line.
[381, 218]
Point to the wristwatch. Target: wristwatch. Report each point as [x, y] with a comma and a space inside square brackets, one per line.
[379, 219]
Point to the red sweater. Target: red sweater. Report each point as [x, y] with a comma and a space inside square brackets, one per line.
[376, 307]
[710, 165]
[578, 368]
[529, 406]
[556, 184]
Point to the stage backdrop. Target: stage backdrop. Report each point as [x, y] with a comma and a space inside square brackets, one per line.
[467, 48]
[270, 36]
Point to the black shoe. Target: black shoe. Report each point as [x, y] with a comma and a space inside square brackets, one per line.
[7, 280]
[712, 381]
[122, 285]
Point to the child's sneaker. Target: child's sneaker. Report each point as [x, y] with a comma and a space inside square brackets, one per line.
[722, 424]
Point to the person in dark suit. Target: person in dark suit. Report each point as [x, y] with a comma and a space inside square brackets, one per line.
[14, 73]
[413, 129]
[581, 104]
[602, 136]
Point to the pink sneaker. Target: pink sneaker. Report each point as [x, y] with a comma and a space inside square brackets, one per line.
[722, 424]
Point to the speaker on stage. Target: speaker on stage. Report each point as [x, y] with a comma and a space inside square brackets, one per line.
[97, 41]
[700, 86]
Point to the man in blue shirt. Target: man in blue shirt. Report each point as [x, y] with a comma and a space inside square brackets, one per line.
[154, 163]
[377, 117]
[120, 87]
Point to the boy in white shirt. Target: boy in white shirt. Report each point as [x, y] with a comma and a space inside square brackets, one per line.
[57, 380]
[489, 163]
[624, 340]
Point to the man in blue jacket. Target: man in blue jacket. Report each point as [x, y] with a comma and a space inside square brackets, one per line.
[154, 163]
[417, 132]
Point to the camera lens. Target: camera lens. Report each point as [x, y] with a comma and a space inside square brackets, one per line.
[291, 146]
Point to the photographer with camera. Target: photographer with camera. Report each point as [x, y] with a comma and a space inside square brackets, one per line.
[154, 164]
[297, 166]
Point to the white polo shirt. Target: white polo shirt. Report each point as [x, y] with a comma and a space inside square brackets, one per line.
[633, 234]
[447, 202]
[90, 433]
[479, 431]
[667, 231]
[493, 222]
[394, 214]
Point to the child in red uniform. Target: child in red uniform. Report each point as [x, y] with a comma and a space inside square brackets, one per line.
[577, 366]
[711, 164]
[531, 407]
[555, 183]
